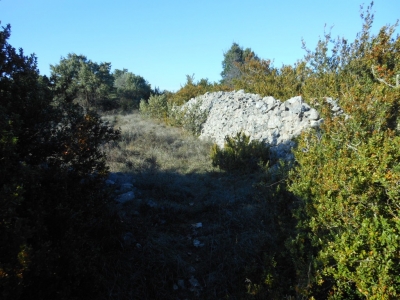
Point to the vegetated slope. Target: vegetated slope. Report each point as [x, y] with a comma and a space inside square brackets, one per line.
[194, 231]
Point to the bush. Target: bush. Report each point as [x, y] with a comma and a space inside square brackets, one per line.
[239, 154]
[57, 234]
[279, 267]
[155, 107]
[190, 117]
[347, 176]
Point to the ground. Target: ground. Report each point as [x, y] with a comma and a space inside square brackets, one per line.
[192, 231]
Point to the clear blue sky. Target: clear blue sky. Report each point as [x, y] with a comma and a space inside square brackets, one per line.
[164, 40]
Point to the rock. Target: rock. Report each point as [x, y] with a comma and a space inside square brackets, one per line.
[197, 243]
[129, 196]
[110, 182]
[265, 119]
[195, 285]
[129, 239]
[312, 115]
[197, 225]
[274, 122]
[151, 203]
[318, 123]
[181, 283]
[126, 187]
[120, 178]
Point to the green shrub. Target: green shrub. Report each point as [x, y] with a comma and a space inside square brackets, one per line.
[347, 176]
[190, 117]
[239, 154]
[279, 269]
[155, 107]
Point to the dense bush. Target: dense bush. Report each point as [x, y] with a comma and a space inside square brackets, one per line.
[346, 180]
[240, 154]
[155, 107]
[261, 77]
[56, 230]
[280, 262]
[168, 106]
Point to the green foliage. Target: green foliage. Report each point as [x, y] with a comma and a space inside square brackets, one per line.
[193, 89]
[346, 180]
[239, 154]
[347, 176]
[77, 79]
[261, 77]
[130, 89]
[333, 68]
[190, 117]
[234, 58]
[280, 262]
[350, 190]
[167, 106]
[156, 107]
[56, 230]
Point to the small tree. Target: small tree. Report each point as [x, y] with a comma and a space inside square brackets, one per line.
[130, 89]
[233, 59]
[77, 79]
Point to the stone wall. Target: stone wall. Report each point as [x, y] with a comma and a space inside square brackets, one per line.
[263, 118]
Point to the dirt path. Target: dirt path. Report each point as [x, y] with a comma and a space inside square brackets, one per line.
[192, 231]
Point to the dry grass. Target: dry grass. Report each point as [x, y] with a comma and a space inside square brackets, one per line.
[176, 187]
[146, 144]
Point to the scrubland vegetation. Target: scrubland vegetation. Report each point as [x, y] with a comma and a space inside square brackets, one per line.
[206, 223]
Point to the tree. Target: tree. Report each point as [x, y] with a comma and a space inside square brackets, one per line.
[78, 79]
[130, 88]
[233, 59]
[55, 223]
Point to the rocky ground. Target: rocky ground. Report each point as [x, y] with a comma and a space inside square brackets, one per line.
[192, 231]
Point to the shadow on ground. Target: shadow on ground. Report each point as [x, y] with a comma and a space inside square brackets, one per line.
[194, 236]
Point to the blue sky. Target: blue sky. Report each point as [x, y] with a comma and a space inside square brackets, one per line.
[165, 40]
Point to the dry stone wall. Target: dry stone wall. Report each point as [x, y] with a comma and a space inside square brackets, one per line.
[263, 118]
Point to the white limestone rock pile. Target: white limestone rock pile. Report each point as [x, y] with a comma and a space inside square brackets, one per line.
[263, 118]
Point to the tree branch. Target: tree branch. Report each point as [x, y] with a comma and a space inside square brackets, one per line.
[383, 81]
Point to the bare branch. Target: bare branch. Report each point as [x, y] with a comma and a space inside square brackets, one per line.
[383, 81]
